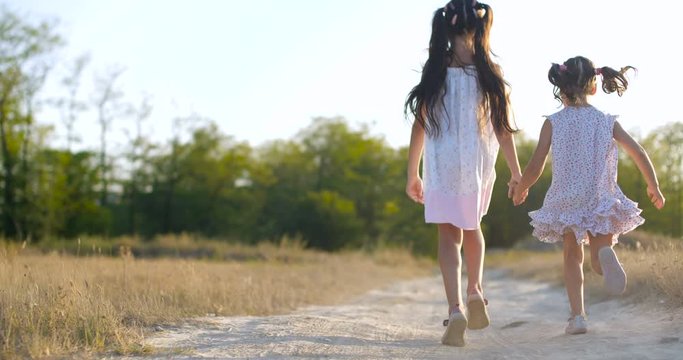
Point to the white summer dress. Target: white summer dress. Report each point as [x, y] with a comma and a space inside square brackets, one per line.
[458, 166]
[584, 195]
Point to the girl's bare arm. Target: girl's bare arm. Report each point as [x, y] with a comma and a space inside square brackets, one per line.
[642, 160]
[417, 140]
[414, 186]
[536, 165]
[506, 141]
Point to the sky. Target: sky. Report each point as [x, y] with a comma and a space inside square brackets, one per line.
[262, 70]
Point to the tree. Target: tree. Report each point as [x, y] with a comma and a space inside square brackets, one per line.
[24, 55]
[330, 221]
[169, 174]
[107, 101]
[71, 106]
[354, 164]
[137, 157]
[288, 175]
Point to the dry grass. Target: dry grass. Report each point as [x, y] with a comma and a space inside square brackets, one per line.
[60, 304]
[652, 263]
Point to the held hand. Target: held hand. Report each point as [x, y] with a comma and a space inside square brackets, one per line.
[514, 180]
[656, 197]
[518, 196]
[414, 189]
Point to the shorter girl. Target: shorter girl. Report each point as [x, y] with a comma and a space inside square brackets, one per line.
[584, 204]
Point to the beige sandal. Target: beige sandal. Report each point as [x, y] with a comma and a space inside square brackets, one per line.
[477, 314]
[455, 329]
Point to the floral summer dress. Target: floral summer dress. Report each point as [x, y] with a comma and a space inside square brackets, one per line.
[584, 195]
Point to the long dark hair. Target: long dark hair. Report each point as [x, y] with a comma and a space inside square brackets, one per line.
[472, 17]
[576, 76]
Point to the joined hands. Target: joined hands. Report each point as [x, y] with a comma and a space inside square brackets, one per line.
[514, 192]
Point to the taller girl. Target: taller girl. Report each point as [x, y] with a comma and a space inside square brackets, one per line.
[461, 104]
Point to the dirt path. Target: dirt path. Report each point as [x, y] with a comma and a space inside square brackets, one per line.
[403, 321]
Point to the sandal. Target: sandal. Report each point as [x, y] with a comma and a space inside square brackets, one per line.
[455, 329]
[477, 313]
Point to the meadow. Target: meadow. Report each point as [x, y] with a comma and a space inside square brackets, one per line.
[82, 301]
[97, 296]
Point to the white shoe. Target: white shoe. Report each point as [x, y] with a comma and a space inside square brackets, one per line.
[577, 325]
[612, 271]
[455, 330]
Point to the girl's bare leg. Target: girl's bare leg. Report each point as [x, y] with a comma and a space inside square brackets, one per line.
[596, 243]
[573, 273]
[474, 247]
[450, 242]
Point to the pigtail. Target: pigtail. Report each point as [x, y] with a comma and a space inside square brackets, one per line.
[423, 98]
[557, 75]
[613, 80]
[494, 88]
[554, 75]
[484, 14]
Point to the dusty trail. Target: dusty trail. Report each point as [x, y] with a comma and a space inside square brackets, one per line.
[403, 321]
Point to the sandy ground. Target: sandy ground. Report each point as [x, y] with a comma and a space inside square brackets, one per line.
[403, 321]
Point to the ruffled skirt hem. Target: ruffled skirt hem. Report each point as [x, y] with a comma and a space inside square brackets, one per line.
[611, 216]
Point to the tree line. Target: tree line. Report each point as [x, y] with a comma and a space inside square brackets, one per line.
[332, 185]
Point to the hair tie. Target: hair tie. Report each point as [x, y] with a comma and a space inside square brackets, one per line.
[563, 67]
[598, 71]
[454, 19]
